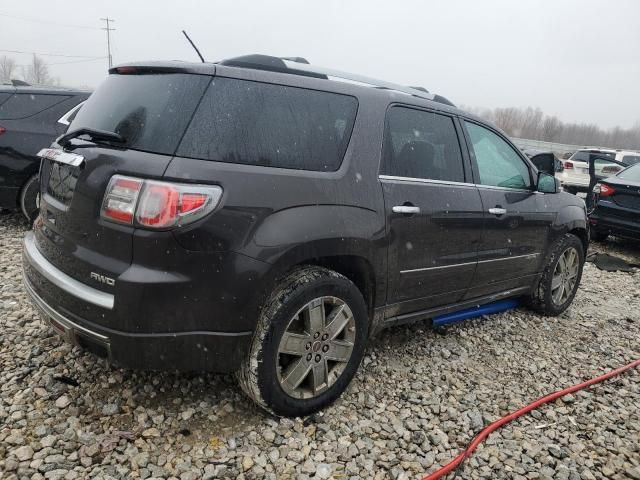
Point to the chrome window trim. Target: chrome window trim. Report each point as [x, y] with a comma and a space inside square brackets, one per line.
[424, 180]
[532, 255]
[452, 183]
[64, 120]
[62, 280]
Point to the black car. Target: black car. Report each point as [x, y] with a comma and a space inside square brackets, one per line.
[30, 119]
[617, 205]
[265, 217]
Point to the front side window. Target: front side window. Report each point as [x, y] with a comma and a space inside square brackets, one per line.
[420, 144]
[254, 123]
[499, 165]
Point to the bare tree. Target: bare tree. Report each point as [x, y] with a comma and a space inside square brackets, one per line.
[37, 72]
[7, 67]
[551, 127]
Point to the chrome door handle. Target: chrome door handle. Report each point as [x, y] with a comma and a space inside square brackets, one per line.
[405, 209]
[497, 211]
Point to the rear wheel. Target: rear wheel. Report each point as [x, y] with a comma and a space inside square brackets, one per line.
[560, 278]
[308, 343]
[30, 198]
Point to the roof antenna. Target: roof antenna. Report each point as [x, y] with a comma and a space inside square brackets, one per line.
[194, 46]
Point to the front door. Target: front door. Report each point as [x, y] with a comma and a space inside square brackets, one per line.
[516, 222]
[434, 215]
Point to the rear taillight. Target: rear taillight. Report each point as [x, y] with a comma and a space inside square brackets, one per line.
[568, 165]
[2, 130]
[604, 190]
[153, 204]
[611, 169]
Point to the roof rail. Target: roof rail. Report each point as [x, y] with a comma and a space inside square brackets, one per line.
[301, 66]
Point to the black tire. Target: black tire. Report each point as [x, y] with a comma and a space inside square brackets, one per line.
[29, 198]
[599, 235]
[258, 375]
[541, 299]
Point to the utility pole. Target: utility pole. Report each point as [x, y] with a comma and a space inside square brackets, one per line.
[109, 30]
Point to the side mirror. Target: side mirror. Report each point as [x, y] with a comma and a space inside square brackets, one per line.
[548, 183]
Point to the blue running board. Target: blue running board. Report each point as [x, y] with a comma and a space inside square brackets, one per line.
[487, 309]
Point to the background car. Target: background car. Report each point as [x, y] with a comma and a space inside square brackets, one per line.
[617, 207]
[575, 175]
[30, 119]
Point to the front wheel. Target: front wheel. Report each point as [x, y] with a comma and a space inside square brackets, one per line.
[308, 344]
[561, 277]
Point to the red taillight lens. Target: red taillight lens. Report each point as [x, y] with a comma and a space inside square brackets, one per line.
[119, 204]
[611, 169]
[568, 165]
[2, 130]
[605, 190]
[157, 204]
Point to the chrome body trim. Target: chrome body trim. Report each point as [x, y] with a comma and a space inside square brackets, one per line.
[64, 120]
[61, 279]
[441, 267]
[452, 183]
[60, 156]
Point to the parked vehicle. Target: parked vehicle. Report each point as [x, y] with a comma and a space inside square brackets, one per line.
[575, 175]
[617, 205]
[30, 119]
[266, 217]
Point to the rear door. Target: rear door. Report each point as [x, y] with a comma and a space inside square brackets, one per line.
[516, 220]
[434, 215]
[151, 112]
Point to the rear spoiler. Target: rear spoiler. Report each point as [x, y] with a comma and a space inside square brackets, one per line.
[146, 68]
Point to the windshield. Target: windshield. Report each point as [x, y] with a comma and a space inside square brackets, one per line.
[632, 173]
[151, 112]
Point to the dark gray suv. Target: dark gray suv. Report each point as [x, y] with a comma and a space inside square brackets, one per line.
[263, 216]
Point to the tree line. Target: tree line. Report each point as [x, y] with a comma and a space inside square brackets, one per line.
[35, 73]
[532, 124]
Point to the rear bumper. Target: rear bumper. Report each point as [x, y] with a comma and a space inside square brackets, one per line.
[572, 180]
[623, 227]
[173, 349]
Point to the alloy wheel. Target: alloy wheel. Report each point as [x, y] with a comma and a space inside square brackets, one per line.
[316, 347]
[565, 276]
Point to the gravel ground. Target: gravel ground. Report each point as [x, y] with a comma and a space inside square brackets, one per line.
[417, 400]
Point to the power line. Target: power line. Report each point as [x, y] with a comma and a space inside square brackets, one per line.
[78, 61]
[26, 19]
[109, 30]
[49, 54]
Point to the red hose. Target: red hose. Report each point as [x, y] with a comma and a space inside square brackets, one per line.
[453, 464]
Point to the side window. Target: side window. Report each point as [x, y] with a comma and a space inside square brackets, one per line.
[421, 144]
[23, 105]
[498, 163]
[631, 159]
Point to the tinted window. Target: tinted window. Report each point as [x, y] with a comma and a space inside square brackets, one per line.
[631, 159]
[150, 111]
[272, 125]
[422, 144]
[583, 156]
[23, 105]
[632, 174]
[3, 97]
[498, 163]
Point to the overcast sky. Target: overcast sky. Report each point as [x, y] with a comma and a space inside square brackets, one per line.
[578, 59]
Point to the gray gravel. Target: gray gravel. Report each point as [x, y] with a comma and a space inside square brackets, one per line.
[416, 401]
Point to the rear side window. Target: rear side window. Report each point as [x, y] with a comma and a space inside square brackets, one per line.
[256, 123]
[421, 144]
[4, 97]
[23, 105]
[150, 111]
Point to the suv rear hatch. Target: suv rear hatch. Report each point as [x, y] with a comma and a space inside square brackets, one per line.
[150, 109]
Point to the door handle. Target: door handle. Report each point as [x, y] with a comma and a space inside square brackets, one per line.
[406, 209]
[497, 211]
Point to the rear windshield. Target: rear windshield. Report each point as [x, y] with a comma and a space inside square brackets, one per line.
[631, 159]
[23, 105]
[150, 111]
[256, 123]
[583, 156]
[632, 174]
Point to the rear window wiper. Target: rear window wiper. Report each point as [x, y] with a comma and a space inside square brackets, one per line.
[94, 135]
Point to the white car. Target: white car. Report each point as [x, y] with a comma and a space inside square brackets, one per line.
[575, 175]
